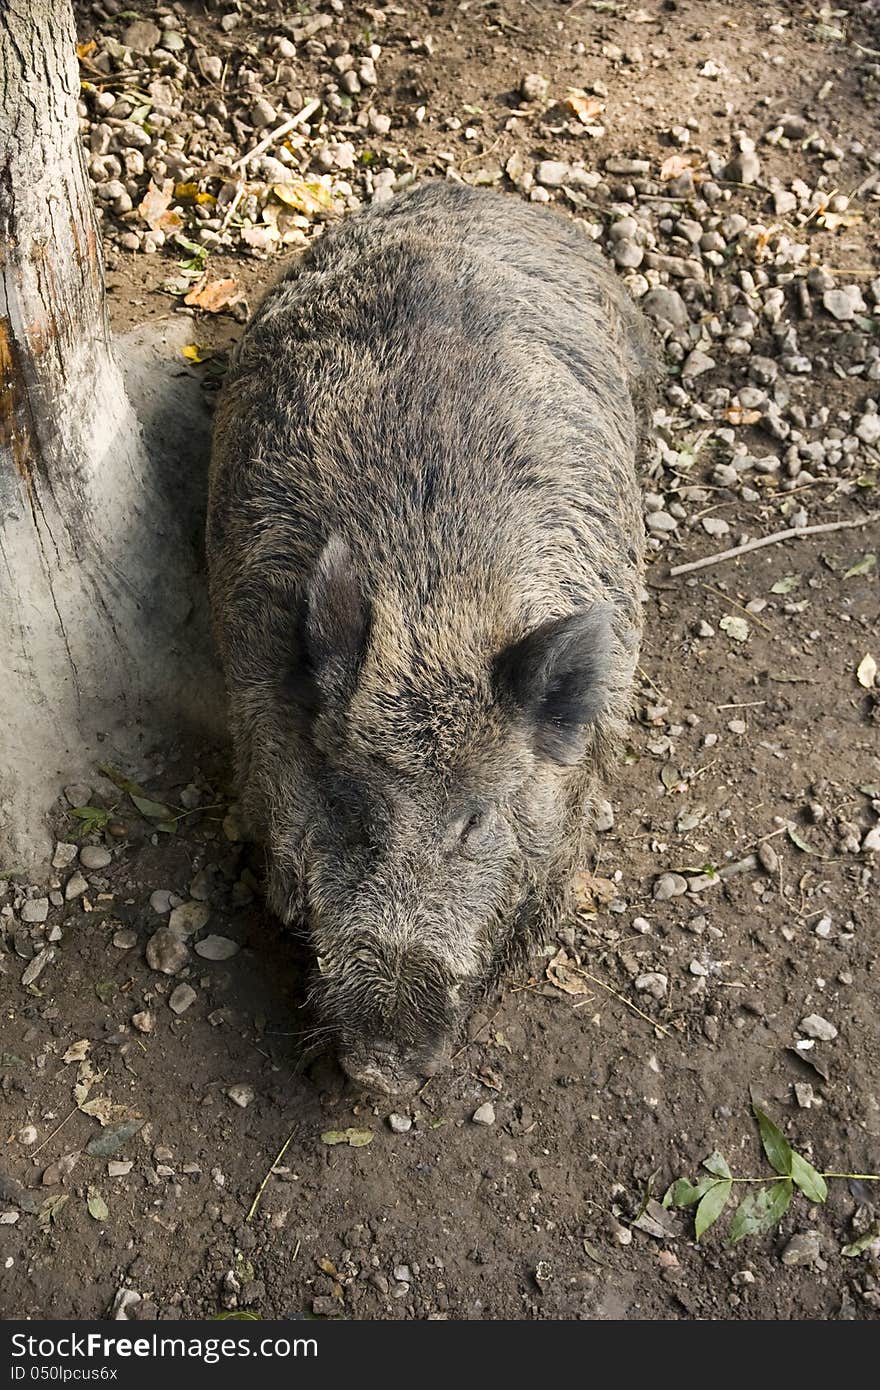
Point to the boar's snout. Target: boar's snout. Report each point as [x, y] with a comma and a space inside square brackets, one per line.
[385, 1069]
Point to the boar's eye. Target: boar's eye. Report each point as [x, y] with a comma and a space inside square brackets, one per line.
[468, 829]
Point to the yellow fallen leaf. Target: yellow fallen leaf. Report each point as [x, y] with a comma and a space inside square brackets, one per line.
[84, 49]
[185, 190]
[192, 353]
[305, 195]
[867, 672]
[355, 1138]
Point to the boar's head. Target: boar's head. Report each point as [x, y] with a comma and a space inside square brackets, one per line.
[432, 758]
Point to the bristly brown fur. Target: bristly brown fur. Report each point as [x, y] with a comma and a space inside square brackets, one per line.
[426, 552]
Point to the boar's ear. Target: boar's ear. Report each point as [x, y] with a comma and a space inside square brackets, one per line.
[335, 622]
[557, 677]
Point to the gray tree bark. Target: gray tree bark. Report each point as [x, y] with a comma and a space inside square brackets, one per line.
[102, 633]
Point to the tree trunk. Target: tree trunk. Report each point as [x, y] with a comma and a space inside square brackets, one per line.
[102, 638]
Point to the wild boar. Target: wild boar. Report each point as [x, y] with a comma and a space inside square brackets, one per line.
[425, 546]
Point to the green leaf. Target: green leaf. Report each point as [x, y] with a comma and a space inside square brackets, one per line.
[50, 1210]
[235, 1317]
[106, 990]
[93, 818]
[683, 1193]
[798, 840]
[111, 1139]
[863, 567]
[810, 1182]
[786, 585]
[863, 1242]
[761, 1211]
[153, 810]
[717, 1165]
[97, 1206]
[355, 1138]
[776, 1146]
[712, 1205]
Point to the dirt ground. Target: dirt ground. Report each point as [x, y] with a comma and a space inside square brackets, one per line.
[769, 741]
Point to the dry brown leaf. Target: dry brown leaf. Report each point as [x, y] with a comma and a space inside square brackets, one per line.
[675, 166]
[213, 296]
[154, 208]
[739, 415]
[564, 974]
[585, 107]
[591, 893]
[104, 1110]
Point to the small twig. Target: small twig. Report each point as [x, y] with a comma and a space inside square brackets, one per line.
[483, 154]
[861, 1177]
[263, 1185]
[594, 979]
[719, 593]
[55, 1131]
[653, 684]
[793, 533]
[283, 129]
[230, 211]
[742, 704]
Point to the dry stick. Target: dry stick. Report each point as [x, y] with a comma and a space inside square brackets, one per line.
[732, 603]
[636, 1010]
[262, 1188]
[284, 129]
[793, 533]
[55, 1131]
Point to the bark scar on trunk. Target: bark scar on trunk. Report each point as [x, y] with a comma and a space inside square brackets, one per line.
[11, 406]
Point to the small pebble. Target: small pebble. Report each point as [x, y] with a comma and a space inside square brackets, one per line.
[814, 1026]
[669, 886]
[241, 1095]
[95, 857]
[166, 952]
[180, 998]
